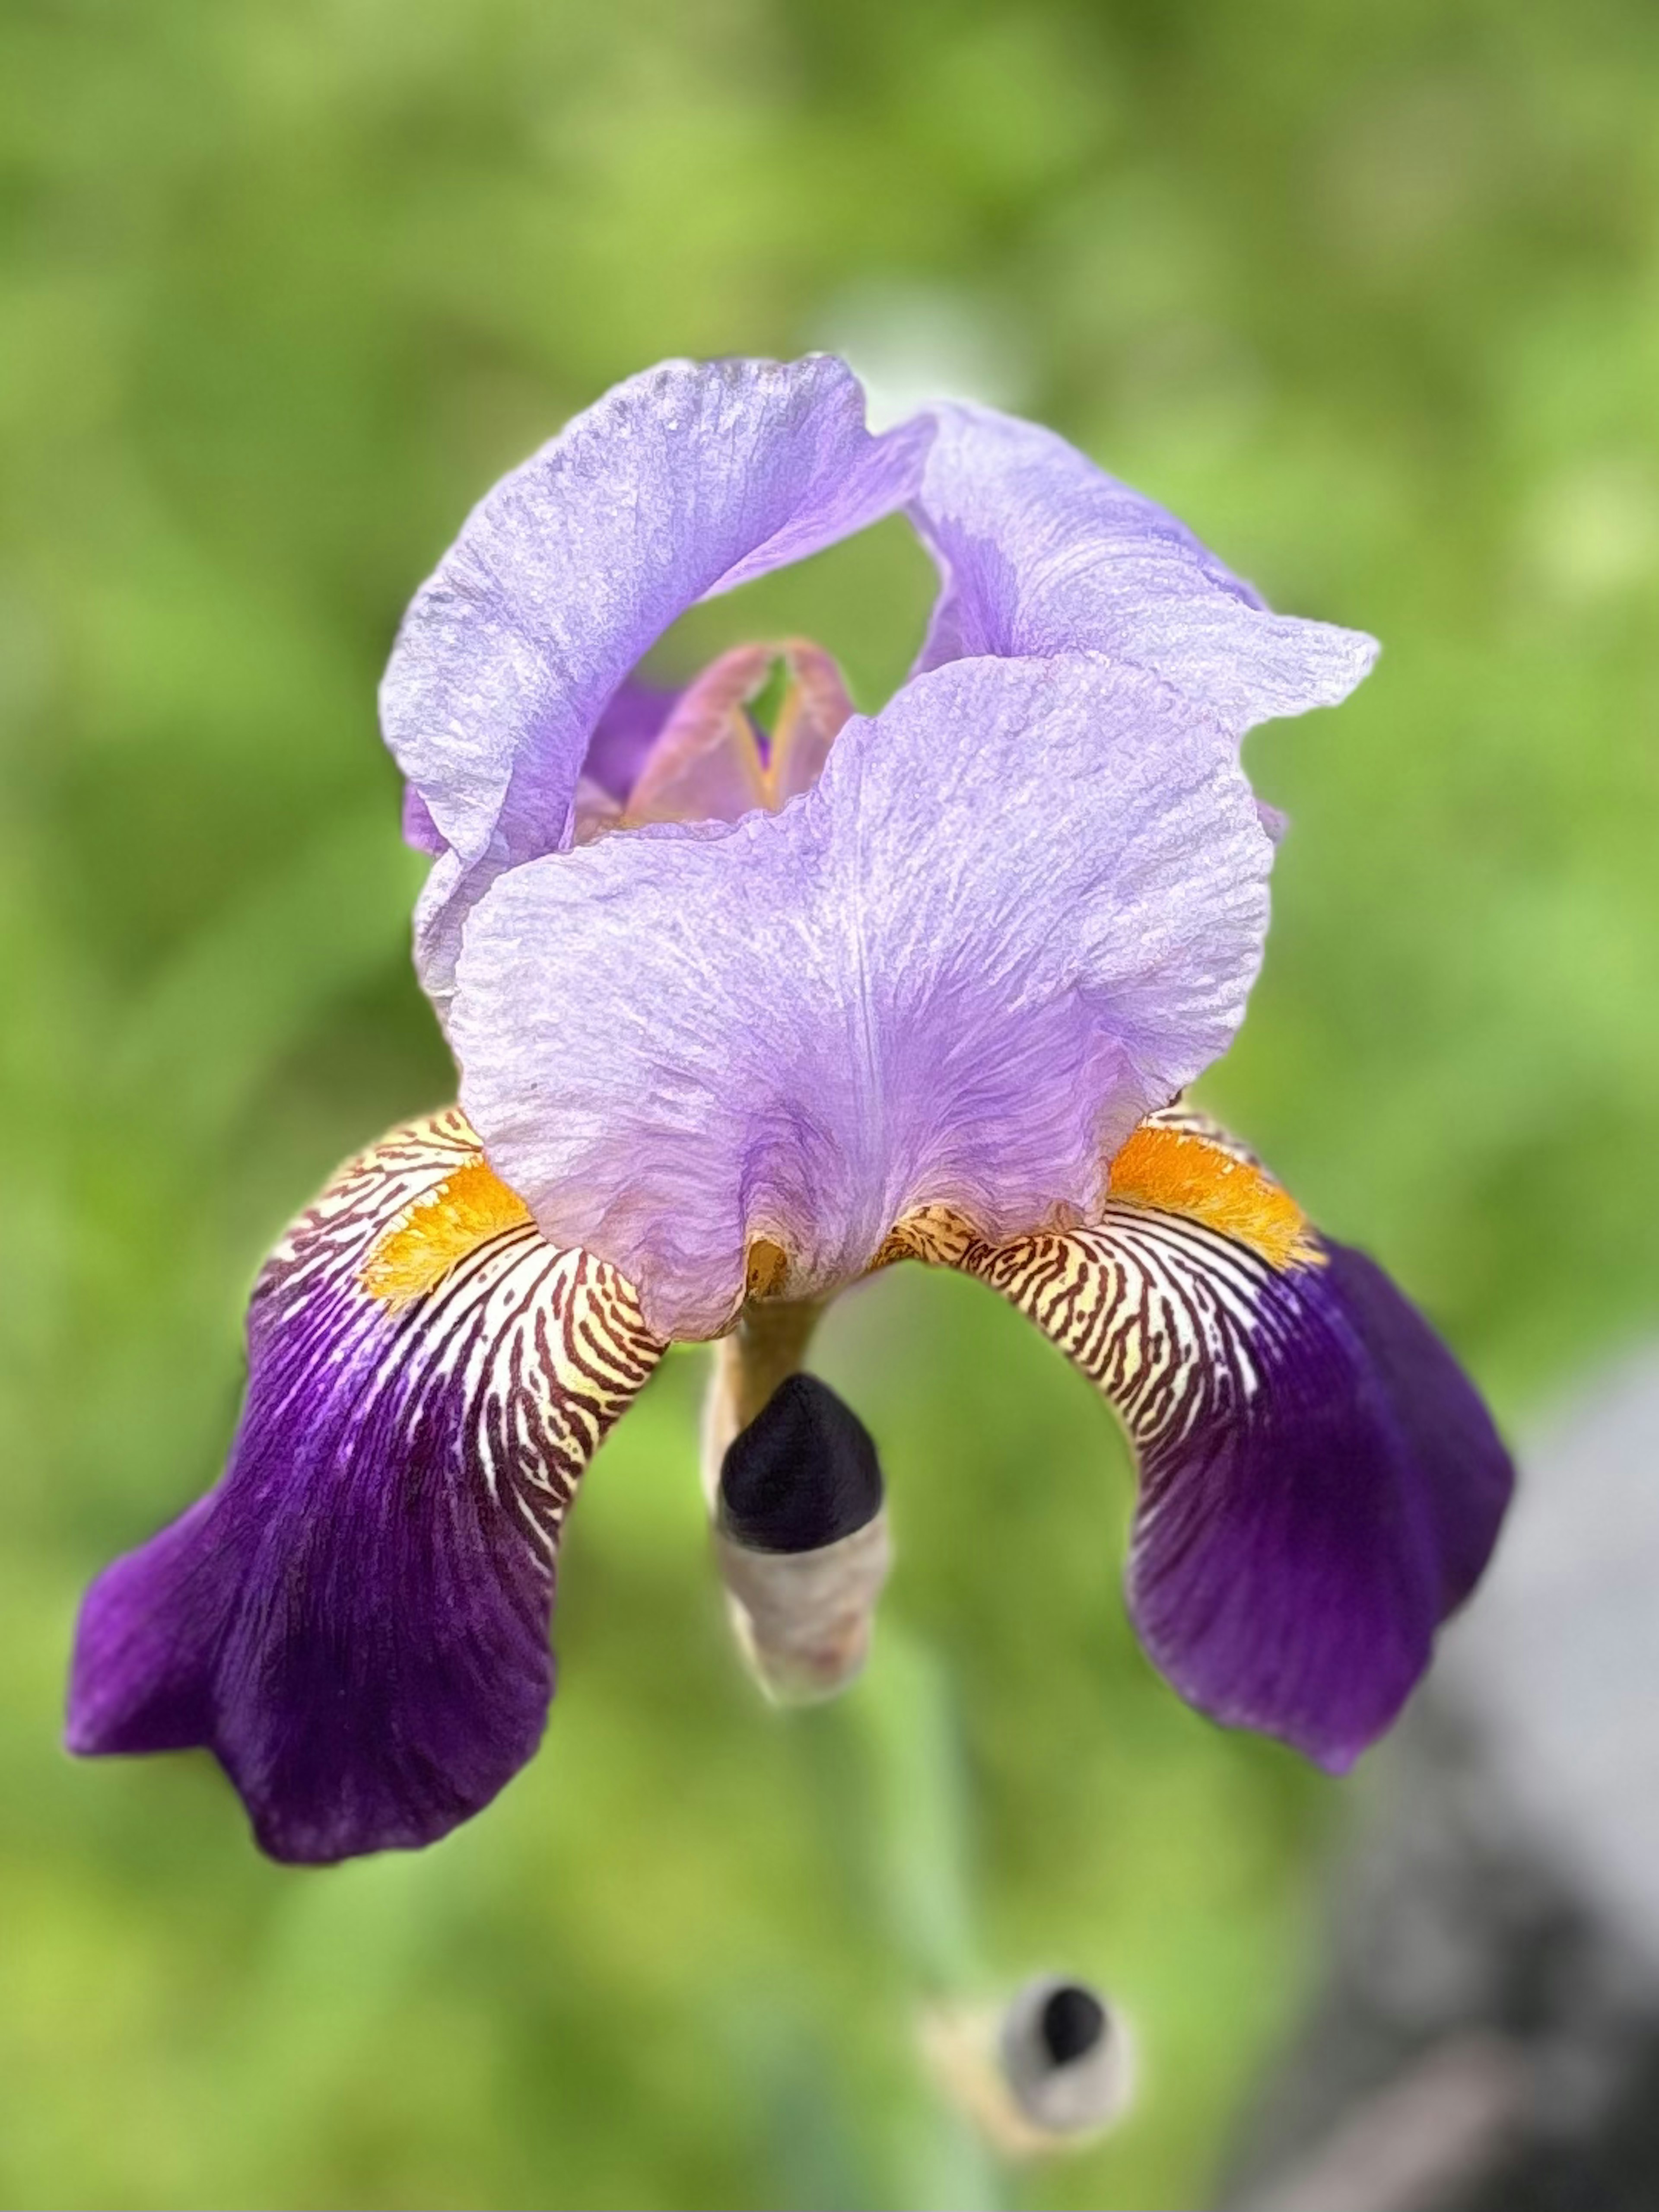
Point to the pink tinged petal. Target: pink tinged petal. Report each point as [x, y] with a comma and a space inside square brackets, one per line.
[1018, 909]
[816, 709]
[1320, 1483]
[713, 763]
[355, 1621]
[689, 479]
[705, 766]
[1040, 551]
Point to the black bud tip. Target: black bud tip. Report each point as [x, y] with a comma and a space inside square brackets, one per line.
[1072, 2022]
[802, 1474]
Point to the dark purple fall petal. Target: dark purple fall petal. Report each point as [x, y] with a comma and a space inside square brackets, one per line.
[355, 1621]
[1319, 1484]
[1445, 1428]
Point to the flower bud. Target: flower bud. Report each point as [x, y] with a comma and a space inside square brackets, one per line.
[1064, 2057]
[1047, 2071]
[800, 1532]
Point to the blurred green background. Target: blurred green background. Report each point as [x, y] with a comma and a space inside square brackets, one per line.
[1371, 297]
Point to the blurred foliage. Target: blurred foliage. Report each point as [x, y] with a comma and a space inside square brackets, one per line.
[1369, 295]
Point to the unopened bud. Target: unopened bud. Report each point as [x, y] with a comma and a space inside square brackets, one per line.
[1049, 2071]
[800, 1530]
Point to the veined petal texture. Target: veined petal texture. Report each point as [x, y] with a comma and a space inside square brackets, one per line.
[1320, 1483]
[691, 478]
[1040, 551]
[1020, 909]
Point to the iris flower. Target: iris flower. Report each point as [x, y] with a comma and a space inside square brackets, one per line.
[750, 995]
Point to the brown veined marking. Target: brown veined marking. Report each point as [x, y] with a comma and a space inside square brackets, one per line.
[1177, 1171]
[935, 1235]
[466, 1209]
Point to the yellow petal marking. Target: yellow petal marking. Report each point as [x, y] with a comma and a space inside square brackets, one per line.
[1177, 1171]
[466, 1209]
[766, 1270]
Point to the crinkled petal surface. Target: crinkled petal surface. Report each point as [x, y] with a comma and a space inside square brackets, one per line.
[691, 478]
[1320, 1483]
[355, 1622]
[629, 723]
[1042, 552]
[1018, 909]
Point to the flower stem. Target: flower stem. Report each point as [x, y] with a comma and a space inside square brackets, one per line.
[886, 1760]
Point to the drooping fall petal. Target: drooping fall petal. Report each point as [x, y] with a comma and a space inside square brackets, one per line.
[1320, 1483]
[355, 1621]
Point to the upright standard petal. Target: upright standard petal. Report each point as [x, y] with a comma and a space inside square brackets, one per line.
[355, 1621]
[1040, 551]
[1018, 910]
[1319, 1484]
[691, 478]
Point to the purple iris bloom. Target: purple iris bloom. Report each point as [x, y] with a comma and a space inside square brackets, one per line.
[748, 999]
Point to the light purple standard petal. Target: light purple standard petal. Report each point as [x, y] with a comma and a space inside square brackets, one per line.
[960, 983]
[689, 479]
[629, 725]
[1041, 552]
[421, 832]
[355, 1621]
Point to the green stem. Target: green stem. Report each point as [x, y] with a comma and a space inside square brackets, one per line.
[887, 1760]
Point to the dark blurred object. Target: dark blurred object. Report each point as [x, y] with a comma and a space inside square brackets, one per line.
[1488, 2038]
